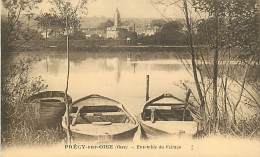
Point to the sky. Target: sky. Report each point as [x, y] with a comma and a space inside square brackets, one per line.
[127, 8]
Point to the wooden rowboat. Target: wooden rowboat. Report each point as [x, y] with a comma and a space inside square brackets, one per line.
[166, 115]
[49, 107]
[101, 119]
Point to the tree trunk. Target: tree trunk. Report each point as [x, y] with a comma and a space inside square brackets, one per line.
[67, 86]
[46, 37]
[194, 66]
[242, 88]
[215, 76]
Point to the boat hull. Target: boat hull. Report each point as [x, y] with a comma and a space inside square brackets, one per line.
[167, 115]
[101, 119]
[123, 136]
[48, 108]
[153, 131]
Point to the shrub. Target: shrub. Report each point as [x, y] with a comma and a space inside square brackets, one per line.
[18, 118]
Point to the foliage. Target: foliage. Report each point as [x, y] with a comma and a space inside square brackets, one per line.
[157, 22]
[77, 35]
[237, 23]
[63, 16]
[230, 26]
[171, 33]
[65, 11]
[230, 32]
[51, 24]
[144, 39]
[10, 24]
[104, 25]
[46, 20]
[30, 34]
[18, 118]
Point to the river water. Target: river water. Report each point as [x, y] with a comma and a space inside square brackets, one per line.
[120, 76]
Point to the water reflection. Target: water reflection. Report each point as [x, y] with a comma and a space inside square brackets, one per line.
[113, 75]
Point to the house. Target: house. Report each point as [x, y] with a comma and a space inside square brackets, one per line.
[90, 32]
[149, 30]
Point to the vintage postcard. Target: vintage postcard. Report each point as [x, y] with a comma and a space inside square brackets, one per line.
[108, 78]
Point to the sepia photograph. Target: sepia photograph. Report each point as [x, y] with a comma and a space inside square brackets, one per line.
[110, 78]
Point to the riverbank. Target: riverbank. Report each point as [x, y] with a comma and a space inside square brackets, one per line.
[96, 46]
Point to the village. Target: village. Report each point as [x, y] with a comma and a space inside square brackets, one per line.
[46, 30]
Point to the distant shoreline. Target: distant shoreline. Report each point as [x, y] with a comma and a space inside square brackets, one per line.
[84, 45]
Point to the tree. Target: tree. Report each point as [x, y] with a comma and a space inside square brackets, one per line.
[158, 22]
[69, 16]
[78, 35]
[205, 29]
[171, 33]
[66, 11]
[10, 24]
[231, 24]
[45, 21]
[194, 65]
[104, 25]
[230, 32]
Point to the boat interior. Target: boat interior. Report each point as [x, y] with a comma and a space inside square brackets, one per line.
[54, 99]
[166, 113]
[98, 115]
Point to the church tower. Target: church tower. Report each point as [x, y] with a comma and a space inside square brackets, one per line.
[117, 21]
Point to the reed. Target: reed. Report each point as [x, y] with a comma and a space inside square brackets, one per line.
[18, 119]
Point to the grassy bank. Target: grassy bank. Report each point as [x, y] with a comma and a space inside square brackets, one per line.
[18, 119]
